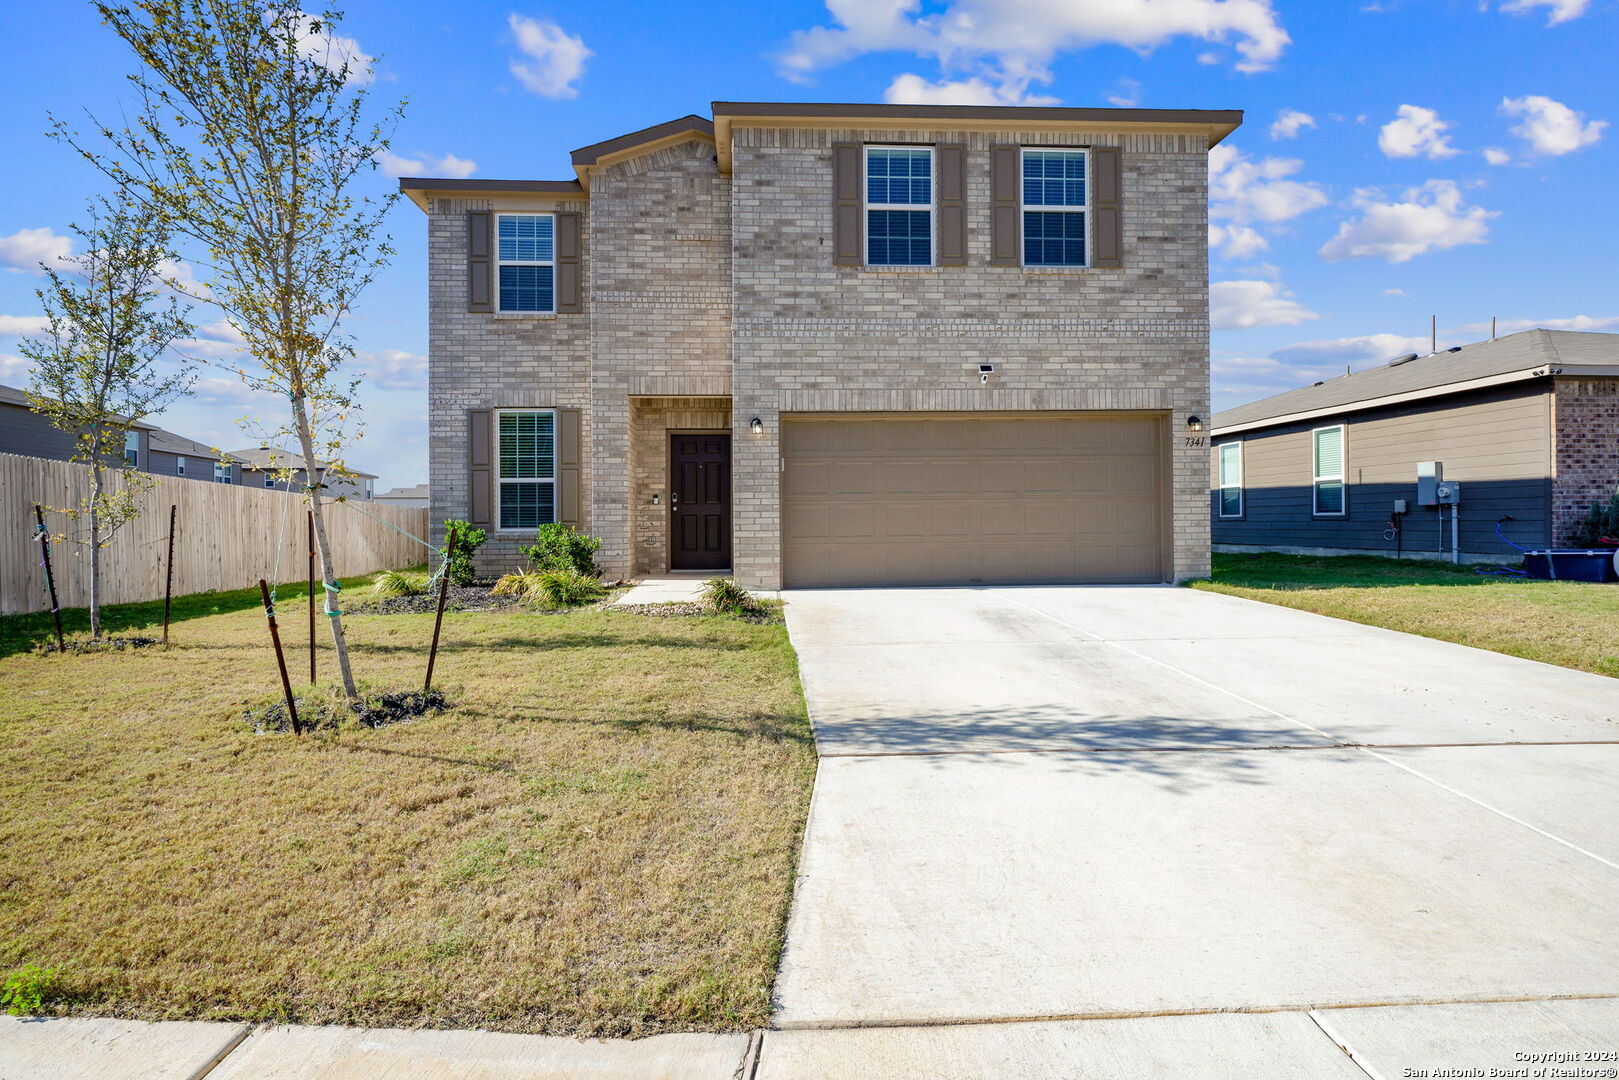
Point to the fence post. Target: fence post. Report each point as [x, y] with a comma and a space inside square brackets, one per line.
[311, 520]
[168, 576]
[280, 660]
[50, 582]
[438, 620]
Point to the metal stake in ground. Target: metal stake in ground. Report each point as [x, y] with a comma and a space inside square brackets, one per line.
[311, 514]
[280, 660]
[50, 582]
[438, 620]
[168, 577]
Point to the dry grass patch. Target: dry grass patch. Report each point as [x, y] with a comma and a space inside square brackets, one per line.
[598, 838]
[1568, 623]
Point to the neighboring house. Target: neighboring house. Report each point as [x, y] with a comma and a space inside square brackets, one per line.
[1526, 426]
[261, 467]
[148, 448]
[762, 342]
[176, 455]
[404, 496]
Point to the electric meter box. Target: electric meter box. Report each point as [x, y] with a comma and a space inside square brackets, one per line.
[1448, 492]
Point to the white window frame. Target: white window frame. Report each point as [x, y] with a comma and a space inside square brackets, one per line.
[551, 262]
[269, 479]
[500, 481]
[1222, 487]
[1024, 207]
[132, 449]
[932, 206]
[1343, 470]
[222, 472]
[179, 464]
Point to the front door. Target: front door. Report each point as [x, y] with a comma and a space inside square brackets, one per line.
[700, 502]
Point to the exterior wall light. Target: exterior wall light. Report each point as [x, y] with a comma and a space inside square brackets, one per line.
[1194, 423]
[757, 426]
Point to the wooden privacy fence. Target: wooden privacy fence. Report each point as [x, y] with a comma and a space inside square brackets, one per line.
[226, 537]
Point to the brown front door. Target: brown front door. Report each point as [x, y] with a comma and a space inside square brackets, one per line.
[700, 502]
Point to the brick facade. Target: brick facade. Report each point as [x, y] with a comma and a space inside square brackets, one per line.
[1585, 415]
[712, 299]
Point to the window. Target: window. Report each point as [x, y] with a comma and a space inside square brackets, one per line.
[1054, 205]
[1231, 480]
[179, 465]
[527, 469]
[899, 206]
[221, 472]
[269, 479]
[1329, 470]
[525, 252]
[132, 449]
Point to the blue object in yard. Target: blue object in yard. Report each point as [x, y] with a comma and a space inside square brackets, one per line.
[1572, 565]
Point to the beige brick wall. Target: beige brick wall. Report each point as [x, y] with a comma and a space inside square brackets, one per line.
[651, 421]
[1585, 425]
[810, 336]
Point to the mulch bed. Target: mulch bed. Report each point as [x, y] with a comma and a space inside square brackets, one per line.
[478, 596]
[100, 645]
[373, 711]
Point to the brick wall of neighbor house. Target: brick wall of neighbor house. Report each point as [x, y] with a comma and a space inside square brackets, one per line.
[659, 301]
[1586, 435]
[499, 361]
[810, 336]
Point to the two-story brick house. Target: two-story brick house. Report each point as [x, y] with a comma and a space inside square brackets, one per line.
[837, 345]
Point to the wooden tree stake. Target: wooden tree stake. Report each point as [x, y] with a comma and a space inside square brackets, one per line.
[50, 582]
[438, 620]
[168, 575]
[280, 660]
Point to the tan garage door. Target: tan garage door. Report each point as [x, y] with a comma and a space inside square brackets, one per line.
[997, 498]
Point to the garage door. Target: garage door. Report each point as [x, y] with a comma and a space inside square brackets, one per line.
[994, 498]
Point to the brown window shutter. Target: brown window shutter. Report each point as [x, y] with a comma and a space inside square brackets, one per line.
[951, 161]
[567, 283]
[568, 468]
[481, 467]
[1005, 224]
[1107, 226]
[846, 205]
[480, 262]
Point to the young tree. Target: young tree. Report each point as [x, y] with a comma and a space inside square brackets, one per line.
[249, 136]
[96, 373]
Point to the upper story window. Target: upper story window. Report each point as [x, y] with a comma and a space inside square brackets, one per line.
[1231, 479]
[525, 257]
[179, 465]
[899, 205]
[1054, 207]
[132, 449]
[221, 472]
[1327, 453]
[526, 468]
[269, 480]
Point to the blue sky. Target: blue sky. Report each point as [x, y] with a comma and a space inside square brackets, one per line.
[1400, 159]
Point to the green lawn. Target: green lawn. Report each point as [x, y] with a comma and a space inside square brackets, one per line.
[1574, 624]
[599, 838]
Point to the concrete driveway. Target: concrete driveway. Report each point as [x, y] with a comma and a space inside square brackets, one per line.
[1093, 807]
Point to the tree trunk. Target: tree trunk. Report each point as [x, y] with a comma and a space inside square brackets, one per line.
[312, 477]
[95, 550]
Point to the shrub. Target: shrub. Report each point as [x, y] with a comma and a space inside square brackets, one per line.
[524, 584]
[467, 542]
[729, 598]
[23, 991]
[569, 588]
[562, 547]
[1600, 521]
[393, 583]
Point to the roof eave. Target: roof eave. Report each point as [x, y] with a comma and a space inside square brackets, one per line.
[418, 189]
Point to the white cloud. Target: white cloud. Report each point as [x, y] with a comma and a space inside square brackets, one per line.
[555, 60]
[333, 51]
[217, 340]
[25, 249]
[911, 89]
[1236, 241]
[1561, 10]
[1126, 94]
[1429, 218]
[1241, 305]
[1244, 191]
[1416, 132]
[1550, 127]
[1289, 122]
[1600, 324]
[1351, 351]
[1013, 42]
[14, 370]
[395, 369]
[213, 390]
[1495, 155]
[426, 165]
[22, 325]
[1396, 292]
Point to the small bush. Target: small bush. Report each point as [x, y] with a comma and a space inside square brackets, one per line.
[393, 583]
[23, 991]
[524, 584]
[569, 588]
[1600, 521]
[467, 542]
[728, 598]
[562, 547]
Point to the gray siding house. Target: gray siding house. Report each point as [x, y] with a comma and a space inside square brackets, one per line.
[260, 467]
[148, 448]
[1526, 426]
[827, 345]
